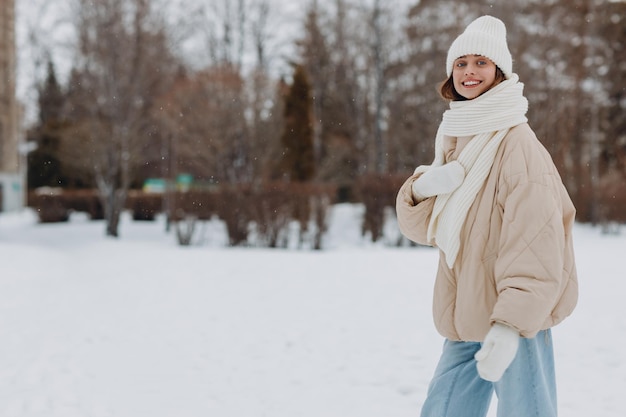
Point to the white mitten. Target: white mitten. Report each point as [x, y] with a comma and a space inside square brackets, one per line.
[497, 353]
[439, 180]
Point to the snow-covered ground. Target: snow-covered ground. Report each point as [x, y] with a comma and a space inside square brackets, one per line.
[140, 327]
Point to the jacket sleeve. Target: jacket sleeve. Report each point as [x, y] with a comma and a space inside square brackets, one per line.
[413, 216]
[529, 267]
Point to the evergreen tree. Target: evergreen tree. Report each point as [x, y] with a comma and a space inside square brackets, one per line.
[298, 161]
[51, 98]
[44, 165]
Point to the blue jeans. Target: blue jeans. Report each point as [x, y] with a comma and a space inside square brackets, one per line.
[527, 389]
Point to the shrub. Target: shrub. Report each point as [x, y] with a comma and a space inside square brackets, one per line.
[86, 201]
[235, 205]
[201, 204]
[144, 206]
[273, 212]
[377, 192]
[260, 214]
[50, 205]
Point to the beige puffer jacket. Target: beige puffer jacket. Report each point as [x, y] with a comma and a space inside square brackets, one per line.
[516, 262]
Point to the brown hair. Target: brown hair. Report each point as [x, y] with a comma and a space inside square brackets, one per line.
[448, 92]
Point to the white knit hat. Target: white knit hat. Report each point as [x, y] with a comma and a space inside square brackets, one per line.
[485, 36]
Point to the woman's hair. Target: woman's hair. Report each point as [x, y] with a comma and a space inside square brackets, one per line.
[448, 92]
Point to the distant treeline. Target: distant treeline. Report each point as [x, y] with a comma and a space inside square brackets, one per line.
[359, 102]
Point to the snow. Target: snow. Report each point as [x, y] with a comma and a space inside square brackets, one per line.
[141, 327]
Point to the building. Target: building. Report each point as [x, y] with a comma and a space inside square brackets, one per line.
[11, 176]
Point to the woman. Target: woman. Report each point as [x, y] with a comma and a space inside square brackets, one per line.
[494, 204]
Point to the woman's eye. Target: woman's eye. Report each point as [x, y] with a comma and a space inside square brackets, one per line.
[460, 64]
[482, 62]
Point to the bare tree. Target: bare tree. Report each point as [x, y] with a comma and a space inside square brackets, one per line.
[332, 52]
[379, 68]
[316, 59]
[203, 112]
[223, 23]
[414, 106]
[265, 106]
[383, 40]
[122, 63]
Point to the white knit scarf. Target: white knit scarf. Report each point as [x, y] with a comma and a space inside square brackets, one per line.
[487, 119]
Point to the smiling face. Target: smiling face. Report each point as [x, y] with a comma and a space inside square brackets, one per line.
[473, 75]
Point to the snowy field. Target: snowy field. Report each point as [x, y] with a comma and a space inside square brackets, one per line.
[140, 327]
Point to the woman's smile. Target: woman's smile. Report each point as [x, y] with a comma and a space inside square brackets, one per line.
[473, 75]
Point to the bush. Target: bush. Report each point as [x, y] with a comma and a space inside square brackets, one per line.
[203, 205]
[86, 201]
[313, 202]
[612, 199]
[377, 192]
[281, 205]
[259, 214]
[144, 206]
[262, 214]
[50, 205]
[235, 205]
[274, 209]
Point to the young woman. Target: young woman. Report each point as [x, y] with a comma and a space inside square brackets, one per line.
[494, 204]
